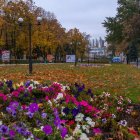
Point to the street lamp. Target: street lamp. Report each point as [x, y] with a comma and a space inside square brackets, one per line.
[75, 49]
[20, 20]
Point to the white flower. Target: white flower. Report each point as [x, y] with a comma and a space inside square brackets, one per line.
[128, 111]
[36, 82]
[84, 137]
[55, 101]
[68, 138]
[28, 139]
[88, 119]
[21, 84]
[78, 126]
[106, 94]
[65, 87]
[77, 132]
[121, 97]
[86, 128]
[32, 86]
[0, 122]
[91, 123]
[129, 101]
[50, 103]
[119, 102]
[62, 111]
[91, 99]
[59, 96]
[105, 106]
[79, 117]
[123, 123]
[113, 116]
[42, 128]
[104, 120]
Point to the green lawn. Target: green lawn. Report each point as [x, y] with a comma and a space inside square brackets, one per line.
[116, 79]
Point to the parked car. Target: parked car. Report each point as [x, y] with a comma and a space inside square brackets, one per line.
[116, 59]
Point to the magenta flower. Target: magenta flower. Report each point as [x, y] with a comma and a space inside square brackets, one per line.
[33, 107]
[83, 103]
[4, 97]
[97, 131]
[15, 93]
[46, 98]
[20, 89]
[47, 129]
[12, 133]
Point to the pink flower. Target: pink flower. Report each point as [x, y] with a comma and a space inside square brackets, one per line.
[4, 97]
[15, 93]
[83, 103]
[89, 108]
[96, 110]
[46, 98]
[30, 89]
[63, 121]
[74, 101]
[67, 98]
[24, 107]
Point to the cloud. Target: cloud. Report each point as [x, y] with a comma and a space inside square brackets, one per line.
[87, 15]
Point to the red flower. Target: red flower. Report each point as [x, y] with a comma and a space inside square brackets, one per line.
[70, 122]
[132, 131]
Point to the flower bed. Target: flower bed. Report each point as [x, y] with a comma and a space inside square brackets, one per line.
[37, 111]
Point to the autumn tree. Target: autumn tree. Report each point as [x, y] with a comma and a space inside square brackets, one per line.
[47, 38]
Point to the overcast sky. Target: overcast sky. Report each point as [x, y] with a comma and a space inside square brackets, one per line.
[86, 15]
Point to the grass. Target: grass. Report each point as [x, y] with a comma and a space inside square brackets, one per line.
[116, 79]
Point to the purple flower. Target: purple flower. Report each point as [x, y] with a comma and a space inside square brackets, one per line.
[33, 107]
[20, 130]
[80, 89]
[38, 123]
[57, 122]
[66, 110]
[4, 129]
[64, 132]
[30, 115]
[27, 83]
[26, 133]
[44, 115]
[9, 83]
[47, 129]
[75, 112]
[89, 92]
[14, 113]
[14, 105]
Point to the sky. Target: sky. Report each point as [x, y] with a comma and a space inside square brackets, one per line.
[86, 15]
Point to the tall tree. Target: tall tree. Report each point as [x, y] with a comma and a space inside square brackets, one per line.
[123, 29]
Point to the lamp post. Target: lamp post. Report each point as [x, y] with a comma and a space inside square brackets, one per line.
[75, 50]
[20, 20]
